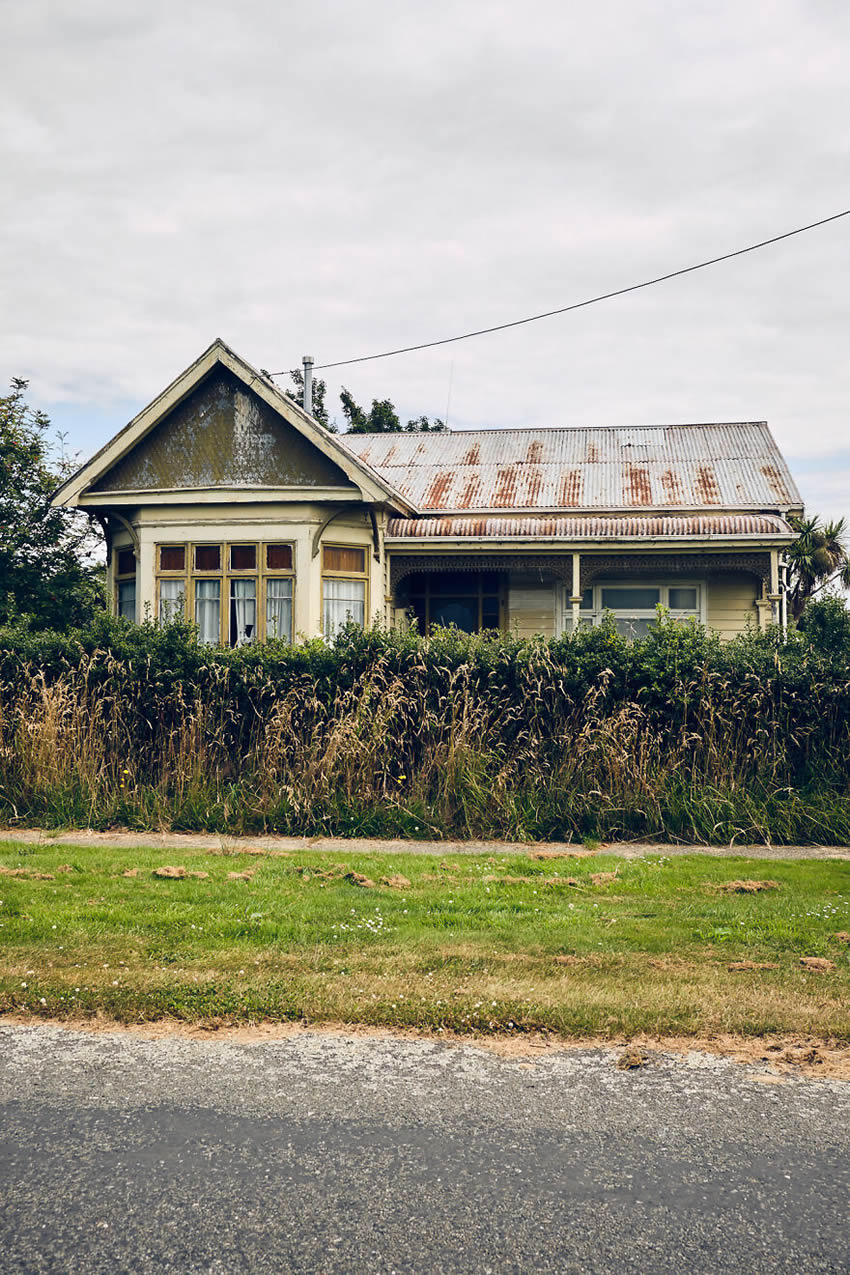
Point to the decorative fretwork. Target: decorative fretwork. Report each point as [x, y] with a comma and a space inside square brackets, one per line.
[630, 565]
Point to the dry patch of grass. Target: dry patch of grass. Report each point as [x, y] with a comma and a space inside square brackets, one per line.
[485, 947]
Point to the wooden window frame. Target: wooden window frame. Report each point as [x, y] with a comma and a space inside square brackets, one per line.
[124, 577]
[333, 574]
[190, 576]
[500, 593]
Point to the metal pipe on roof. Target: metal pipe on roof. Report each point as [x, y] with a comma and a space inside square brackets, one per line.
[308, 383]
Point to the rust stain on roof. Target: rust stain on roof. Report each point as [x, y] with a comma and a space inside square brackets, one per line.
[774, 481]
[672, 486]
[706, 485]
[569, 490]
[571, 527]
[534, 455]
[533, 483]
[436, 496]
[473, 456]
[591, 454]
[638, 486]
[470, 493]
[390, 455]
[505, 487]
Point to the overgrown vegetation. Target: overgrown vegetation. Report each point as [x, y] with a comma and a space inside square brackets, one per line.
[387, 734]
[578, 946]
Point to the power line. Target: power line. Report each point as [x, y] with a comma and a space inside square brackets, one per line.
[579, 305]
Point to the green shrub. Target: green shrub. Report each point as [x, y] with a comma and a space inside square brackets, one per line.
[386, 733]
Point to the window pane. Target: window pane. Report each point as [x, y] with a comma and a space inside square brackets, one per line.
[460, 611]
[587, 600]
[490, 582]
[343, 600]
[490, 613]
[683, 599]
[243, 557]
[279, 557]
[630, 599]
[208, 610]
[171, 600]
[126, 564]
[454, 583]
[172, 558]
[337, 558]
[632, 628]
[279, 609]
[127, 599]
[208, 557]
[243, 612]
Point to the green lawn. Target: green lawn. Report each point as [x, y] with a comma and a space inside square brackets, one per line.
[472, 944]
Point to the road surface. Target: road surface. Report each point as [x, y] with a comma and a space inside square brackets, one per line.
[328, 1153]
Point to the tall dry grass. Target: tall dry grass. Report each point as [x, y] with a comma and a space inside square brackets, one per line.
[427, 745]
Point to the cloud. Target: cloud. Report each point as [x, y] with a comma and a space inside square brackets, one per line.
[344, 178]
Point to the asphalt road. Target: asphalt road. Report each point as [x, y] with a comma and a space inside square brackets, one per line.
[327, 1153]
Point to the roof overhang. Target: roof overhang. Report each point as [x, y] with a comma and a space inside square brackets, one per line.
[75, 491]
[744, 531]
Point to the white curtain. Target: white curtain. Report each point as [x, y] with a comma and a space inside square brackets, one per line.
[208, 610]
[243, 595]
[279, 609]
[171, 593]
[343, 600]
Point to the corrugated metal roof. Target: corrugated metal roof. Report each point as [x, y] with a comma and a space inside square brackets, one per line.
[699, 467]
[566, 528]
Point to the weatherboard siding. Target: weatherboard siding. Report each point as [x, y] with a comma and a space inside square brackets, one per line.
[731, 608]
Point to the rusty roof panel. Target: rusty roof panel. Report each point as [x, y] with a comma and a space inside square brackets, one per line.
[559, 527]
[688, 467]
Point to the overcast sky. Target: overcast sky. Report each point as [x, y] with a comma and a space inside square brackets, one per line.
[342, 178]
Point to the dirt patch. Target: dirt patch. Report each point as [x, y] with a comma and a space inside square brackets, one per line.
[170, 872]
[801, 1055]
[742, 887]
[357, 878]
[397, 882]
[843, 936]
[603, 878]
[65, 867]
[818, 964]
[749, 1051]
[450, 867]
[27, 874]
[199, 876]
[752, 965]
[130, 872]
[561, 854]
[631, 1059]
[247, 875]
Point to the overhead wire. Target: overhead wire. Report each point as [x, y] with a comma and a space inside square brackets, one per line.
[579, 305]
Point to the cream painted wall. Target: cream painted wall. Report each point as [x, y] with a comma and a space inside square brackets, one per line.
[531, 607]
[732, 603]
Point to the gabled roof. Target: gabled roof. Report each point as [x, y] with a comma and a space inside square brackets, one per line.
[372, 486]
[712, 468]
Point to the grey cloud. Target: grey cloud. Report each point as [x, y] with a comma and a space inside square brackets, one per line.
[350, 177]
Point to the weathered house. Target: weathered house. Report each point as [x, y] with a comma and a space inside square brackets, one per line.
[225, 501]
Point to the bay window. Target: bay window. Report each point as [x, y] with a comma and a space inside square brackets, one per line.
[224, 586]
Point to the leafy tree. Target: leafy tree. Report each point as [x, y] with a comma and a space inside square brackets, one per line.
[49, 577]
[422, 425]
[382, 418]
[320, 412]
[818, 558]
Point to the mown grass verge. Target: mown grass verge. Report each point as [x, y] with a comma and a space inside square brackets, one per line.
[573, 946]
